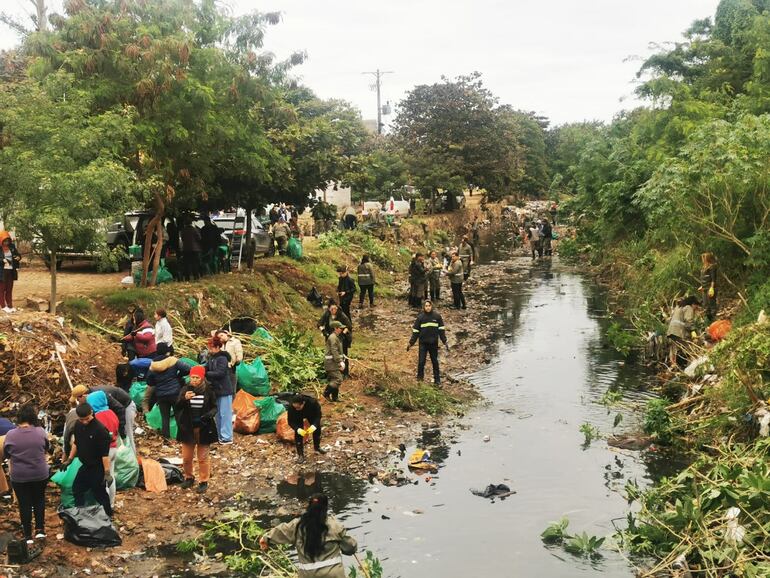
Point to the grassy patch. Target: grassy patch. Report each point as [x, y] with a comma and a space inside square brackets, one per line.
[414, 396]
[76, 306]
[123, 299]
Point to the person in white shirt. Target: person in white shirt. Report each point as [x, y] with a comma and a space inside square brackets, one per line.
[163, 331]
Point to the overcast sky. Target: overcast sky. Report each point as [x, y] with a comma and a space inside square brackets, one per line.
[570, 60]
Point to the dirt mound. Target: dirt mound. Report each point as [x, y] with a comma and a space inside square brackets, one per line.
[30, 370]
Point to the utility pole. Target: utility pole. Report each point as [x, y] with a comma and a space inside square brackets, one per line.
[378, 74]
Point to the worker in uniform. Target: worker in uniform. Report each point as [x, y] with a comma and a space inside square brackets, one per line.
[418, 275]
[334, 361]
[301, 409]
[456, 277]
[434, 265]
[466, 256]
[428, 328]
[346, 289]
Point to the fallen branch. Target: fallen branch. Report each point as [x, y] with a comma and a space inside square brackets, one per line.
[101, 328]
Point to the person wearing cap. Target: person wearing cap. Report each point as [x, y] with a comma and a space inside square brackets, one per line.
[195, 409]
[91, 444]
[117, 400]
[220, 377]
[346, 290]
[334, 362]
[305, 408]
[164, 380]
[334, 313]
[428, 328]
[466, 256]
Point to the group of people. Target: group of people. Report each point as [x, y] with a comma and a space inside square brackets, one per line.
[682, 323]
[284, 224]
[539, 235]
[425, 274]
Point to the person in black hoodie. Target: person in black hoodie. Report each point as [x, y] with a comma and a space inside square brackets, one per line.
[195, 410]
[219, 376]
[418, 277]
[428, 328]
[303, 407]
[164, 380]
[346, 289]
[547, 231]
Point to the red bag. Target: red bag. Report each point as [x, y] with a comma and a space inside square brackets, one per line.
[243, 401]
[247, 422]
[719, 329]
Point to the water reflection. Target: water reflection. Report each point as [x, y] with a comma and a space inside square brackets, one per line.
[344, 492]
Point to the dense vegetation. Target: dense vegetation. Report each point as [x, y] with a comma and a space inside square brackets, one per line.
[650, 192]
[685, 175]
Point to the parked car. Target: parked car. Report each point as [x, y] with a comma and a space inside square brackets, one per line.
[399, 207]
[234, 229]
[115, 235]
[443, 202]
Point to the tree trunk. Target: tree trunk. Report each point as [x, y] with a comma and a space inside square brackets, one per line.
[148, 248]
[41, 18]
[153, 250]
[158, 251]
[52, 301]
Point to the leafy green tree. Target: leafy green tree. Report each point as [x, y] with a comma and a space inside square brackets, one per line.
[378, 171]
[458, 123]
[61, 169]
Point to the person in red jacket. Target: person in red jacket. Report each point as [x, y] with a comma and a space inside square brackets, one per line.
[142, 336]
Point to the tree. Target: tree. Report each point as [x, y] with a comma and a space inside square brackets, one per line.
[459, 123]
[61, 171]
[378, 171]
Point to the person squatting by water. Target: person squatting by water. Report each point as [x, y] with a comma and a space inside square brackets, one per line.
[302, 409]
[319, 538]
[680, 329]
[334, 361]
[428, 328]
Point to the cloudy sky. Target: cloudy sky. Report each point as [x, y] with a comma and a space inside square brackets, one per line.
[569, 60]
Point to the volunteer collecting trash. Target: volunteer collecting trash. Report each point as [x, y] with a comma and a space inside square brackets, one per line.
[304, 407]
[334, 362]
[428, 328]
[91, 444]
[98, 402]
[195, 411]
[220, 377]
[319, 538]
[346, 290]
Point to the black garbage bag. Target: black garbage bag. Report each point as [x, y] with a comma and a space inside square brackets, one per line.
[89, 526]
[315, 298]
[174, 474]
[244, 325]
[494, 491]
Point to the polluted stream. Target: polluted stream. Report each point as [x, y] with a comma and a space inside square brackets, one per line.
[548, 373]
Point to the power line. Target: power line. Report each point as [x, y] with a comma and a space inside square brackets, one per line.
[378, 74]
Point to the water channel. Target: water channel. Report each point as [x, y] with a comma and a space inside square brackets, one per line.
[548, 374]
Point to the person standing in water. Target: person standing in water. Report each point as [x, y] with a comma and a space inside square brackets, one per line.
[319, 538]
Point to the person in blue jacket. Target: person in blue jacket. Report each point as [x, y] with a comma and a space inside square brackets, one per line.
[219, 376]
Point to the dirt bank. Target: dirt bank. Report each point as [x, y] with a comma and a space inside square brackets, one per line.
[363, 432]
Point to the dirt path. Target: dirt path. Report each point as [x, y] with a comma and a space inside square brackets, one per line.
[74, 279]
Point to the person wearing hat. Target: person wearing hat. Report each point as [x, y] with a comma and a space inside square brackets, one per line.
[346, 290]
[91, 444]
[465, 252]
[104, 415]
[334, 362]
[164, 380]
[195, 409]
[117, 400]
[428, 328]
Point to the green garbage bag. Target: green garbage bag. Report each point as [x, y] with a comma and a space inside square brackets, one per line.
[137, 392]
[294, 248]
[154, 420]
[126, 467]
[252, 377]
[64, 479]
[164, 275]
[269, 412]
[135, 252]
[261, 333]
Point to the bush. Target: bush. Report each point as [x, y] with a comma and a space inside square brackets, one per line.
[78, 306]
[413, 397]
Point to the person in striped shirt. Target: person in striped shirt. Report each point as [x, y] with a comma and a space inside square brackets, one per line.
[196, 429]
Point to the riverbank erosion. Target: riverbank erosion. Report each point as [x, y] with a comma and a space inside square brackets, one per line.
[382, 405]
